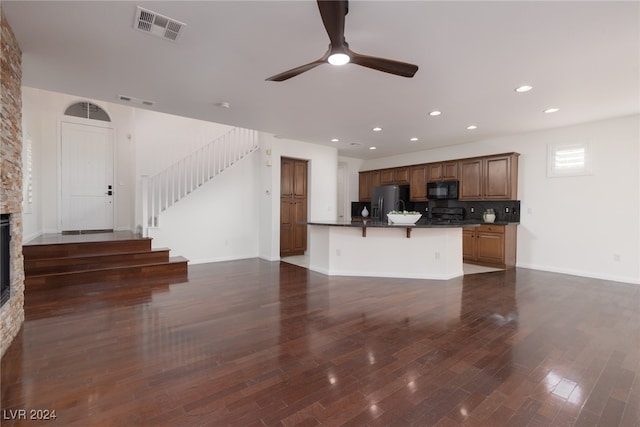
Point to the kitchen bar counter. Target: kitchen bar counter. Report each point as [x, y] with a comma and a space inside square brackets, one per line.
[433, 251]
[385, 224]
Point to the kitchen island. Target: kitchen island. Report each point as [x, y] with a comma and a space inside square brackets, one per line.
[421, 251]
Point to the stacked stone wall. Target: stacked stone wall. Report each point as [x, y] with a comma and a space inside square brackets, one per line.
[12, 312]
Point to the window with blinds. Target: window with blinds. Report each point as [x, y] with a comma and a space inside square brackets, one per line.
[569, 160]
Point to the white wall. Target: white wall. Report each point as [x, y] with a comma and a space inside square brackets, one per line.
[42, 113]
[218, 221]
[574, 225]
[237, 215]
[162, 139]
[354, 166]
[321, 189]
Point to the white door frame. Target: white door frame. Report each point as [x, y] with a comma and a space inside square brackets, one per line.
[344, 206]
[86, 122]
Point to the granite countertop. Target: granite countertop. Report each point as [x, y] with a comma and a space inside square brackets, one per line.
[422, 223]
[385, 224]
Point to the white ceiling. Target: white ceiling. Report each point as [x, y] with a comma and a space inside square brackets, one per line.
[581, 57]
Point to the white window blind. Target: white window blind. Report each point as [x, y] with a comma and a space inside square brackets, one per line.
[569, 160]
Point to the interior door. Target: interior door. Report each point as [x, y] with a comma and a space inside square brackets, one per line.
[293, 207]
[86, 177]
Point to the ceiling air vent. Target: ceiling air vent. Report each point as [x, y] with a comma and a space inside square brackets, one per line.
[157, 25]
[135, 100]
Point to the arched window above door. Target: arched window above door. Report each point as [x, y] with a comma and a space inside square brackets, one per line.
[87, 110]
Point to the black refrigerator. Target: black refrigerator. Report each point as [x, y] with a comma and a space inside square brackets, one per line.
[388, 198]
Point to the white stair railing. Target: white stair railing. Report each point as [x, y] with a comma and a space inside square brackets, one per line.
[184, 176]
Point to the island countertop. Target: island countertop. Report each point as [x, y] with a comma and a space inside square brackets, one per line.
[422, 223]
[385, 224]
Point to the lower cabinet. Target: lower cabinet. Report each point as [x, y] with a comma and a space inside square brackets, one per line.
[490, 245]
[293, 236]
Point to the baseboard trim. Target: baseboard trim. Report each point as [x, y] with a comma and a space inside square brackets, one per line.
[579, 273]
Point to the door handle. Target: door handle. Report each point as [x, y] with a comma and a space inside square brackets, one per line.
[109, 193]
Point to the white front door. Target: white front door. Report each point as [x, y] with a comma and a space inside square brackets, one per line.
[87, 177]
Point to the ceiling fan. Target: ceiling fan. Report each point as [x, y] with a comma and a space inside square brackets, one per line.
[333, 13]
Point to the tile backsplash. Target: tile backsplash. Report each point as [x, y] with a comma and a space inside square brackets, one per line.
[506, 210]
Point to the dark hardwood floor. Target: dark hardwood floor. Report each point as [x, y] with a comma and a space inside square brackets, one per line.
[257, 343]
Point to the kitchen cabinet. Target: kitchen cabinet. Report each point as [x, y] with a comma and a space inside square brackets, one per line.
[367, 180]
[418, 183]
[470, 179]
[394, 176]
[442, 171]
[481, 178]
[293, 207]
[490, 244]
[489, 178]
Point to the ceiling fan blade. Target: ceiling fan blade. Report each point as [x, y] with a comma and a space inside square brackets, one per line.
[295, 71]
[398, 68]
[333, 13]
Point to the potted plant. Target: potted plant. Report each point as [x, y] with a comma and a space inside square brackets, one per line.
[489, 215]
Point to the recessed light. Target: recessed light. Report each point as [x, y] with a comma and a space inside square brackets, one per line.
[524, 88]
[435, 113]
[472, 127]
[414, 139]
[377, 129]
[551, 110]
[372, 148]
[335, 140]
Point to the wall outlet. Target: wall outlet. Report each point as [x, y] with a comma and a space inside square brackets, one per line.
[472, 209]
[616, 257]
[506, 209]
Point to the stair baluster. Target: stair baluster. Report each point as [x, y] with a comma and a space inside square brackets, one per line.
[172, 184]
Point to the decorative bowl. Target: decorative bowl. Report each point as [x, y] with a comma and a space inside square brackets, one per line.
[408, 218]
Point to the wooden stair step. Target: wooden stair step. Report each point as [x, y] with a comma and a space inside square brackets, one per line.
[58, 250]
[174, 268]
[40, 266]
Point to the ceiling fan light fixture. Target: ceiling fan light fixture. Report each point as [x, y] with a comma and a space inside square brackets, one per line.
[338, 59]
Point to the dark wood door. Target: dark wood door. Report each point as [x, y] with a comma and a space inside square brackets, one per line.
[497, 178]
[418, 183]
[364, 187]
[293, 207]
[490, 247]
[471, 179]
[469, 244]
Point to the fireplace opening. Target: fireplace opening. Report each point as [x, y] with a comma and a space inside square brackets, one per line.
[5, 259]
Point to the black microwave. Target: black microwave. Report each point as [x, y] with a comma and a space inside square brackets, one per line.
[444, 190]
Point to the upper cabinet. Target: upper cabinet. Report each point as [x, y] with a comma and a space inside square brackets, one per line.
[368, 180]
[418, 183]
[489, 178]
[394, 176]
[442, 171]
[481, 178]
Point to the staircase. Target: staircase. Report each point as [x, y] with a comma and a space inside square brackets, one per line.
[49, 265]
[177, 181]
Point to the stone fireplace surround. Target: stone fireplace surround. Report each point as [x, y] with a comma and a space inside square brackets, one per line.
[12, 312]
